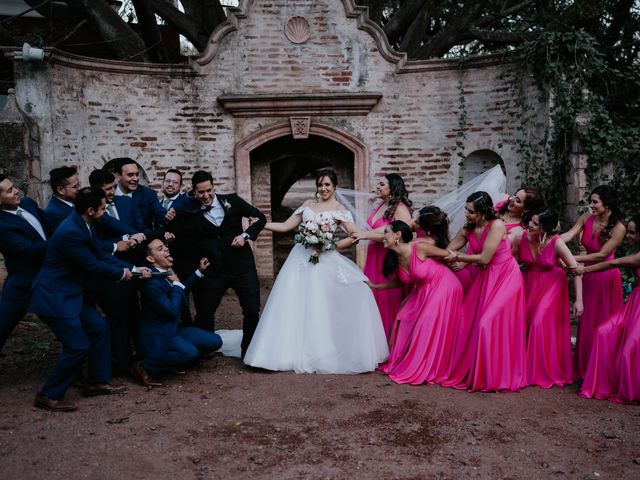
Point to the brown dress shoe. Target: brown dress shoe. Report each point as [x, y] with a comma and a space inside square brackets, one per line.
[141, 375]
[46, 403]
[102, 389]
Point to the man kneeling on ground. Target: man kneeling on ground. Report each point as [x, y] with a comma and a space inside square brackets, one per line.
[164, 345]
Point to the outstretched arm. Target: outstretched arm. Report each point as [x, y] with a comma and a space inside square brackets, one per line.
[569, 260]
[617, 235]
[576, 229]
[630, 261]
[496, 233]
[289, 224]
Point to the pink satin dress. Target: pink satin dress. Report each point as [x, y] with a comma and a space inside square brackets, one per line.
[548, 360]
[613, 372]
[469, 272]
[426, 327]
[602, 294]
[490, 349]
[388, 300]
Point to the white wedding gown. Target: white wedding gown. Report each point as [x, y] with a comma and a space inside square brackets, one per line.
[319, 318]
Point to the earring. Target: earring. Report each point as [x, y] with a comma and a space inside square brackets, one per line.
[397, 242]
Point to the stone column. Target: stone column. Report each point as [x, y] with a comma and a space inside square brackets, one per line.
[19, 148]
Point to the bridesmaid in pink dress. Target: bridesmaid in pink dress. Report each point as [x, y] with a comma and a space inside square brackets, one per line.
[602, 232]
[548, 361]
[613, 371]
[490, 348]
[426, 326]
[515, 212]
[394, 205]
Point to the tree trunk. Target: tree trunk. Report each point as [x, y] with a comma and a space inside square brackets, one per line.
[150, 31]
[122, 39]
[403, 18]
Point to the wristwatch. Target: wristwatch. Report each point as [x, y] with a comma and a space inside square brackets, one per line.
[246, 236]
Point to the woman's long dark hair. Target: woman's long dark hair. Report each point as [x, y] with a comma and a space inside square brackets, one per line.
[609, 198]
[435, 223]
[390, 262]
[398, 194]
[482, 204]
[327, 172]
[532, 201]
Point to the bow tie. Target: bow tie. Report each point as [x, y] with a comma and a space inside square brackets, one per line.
[206, 208]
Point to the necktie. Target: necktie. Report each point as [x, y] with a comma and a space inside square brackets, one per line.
[20, 213]
[165, 203]
[111, 210]
[206, 208]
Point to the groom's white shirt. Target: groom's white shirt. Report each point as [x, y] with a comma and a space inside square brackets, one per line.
[216, 214]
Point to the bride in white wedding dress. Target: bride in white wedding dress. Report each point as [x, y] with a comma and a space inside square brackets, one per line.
[322, 317]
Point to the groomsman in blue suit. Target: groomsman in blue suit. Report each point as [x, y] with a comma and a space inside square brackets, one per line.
[171, 188]
[23, 243]
[165, 346]
[150, 215]
[118, 301]
[58, 298]
[65, 183]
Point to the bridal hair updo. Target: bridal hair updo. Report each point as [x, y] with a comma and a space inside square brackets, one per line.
[609, 198]
[390, 262]
[483, 205]
[398, 194]
[435, 223]
[327, 172]
[548, 220]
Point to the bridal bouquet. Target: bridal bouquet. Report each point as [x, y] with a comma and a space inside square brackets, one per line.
[318, 235]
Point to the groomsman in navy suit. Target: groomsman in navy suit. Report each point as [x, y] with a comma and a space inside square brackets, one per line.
[171, 188]
[149, 213]
[165, 346]
[65, 183]
[59, 298]
[117, 300]
[23, 243]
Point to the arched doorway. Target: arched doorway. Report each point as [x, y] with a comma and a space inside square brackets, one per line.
[478, 162]
[292, 159]
[284, 169]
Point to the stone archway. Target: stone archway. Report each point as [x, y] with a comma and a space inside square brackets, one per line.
[272, 156]
[478, 162]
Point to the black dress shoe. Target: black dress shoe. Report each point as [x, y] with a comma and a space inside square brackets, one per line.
[102, 389]
[46, 403]
[141, 375]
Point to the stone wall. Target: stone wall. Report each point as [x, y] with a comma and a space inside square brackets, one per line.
[89, 111]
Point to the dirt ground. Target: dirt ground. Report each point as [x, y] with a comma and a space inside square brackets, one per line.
[222, 420]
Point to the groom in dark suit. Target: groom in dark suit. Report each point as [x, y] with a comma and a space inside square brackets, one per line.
[210, 225]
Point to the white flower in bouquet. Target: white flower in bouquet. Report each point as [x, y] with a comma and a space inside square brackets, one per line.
[318, 236]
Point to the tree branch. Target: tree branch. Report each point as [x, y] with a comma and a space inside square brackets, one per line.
[398, 24]
[150, 31]
[122, 39]
[181, 23]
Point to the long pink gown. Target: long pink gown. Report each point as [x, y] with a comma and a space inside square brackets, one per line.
[602, 294]
[490, 348]
[548, 361]
[613, 372]
[388, 300]
[426, 326]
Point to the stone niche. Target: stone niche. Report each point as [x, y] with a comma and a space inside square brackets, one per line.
[282, 89]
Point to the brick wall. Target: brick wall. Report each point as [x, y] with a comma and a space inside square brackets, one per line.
[90, 111]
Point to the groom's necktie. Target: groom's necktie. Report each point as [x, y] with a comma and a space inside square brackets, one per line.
[165, 203]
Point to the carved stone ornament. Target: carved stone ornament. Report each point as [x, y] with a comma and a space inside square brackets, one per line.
[297, 29]
[300, 127]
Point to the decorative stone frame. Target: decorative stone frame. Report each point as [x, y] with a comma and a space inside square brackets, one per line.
[281, 129]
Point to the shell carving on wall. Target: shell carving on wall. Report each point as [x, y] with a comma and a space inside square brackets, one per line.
[297, 29]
